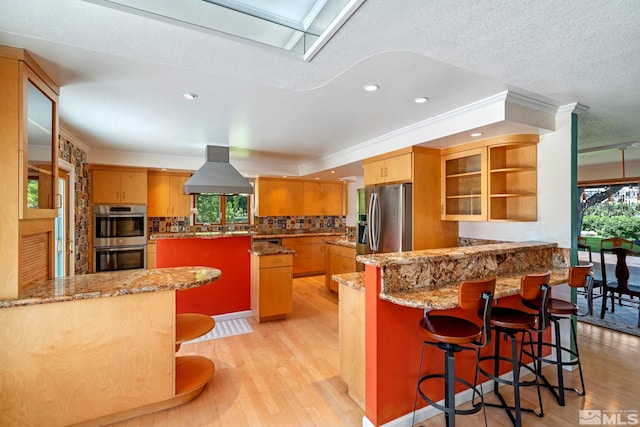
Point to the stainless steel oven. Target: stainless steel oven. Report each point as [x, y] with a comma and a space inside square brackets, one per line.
[119, 237]
[119, 258]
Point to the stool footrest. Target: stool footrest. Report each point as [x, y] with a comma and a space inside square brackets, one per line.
[476, 407]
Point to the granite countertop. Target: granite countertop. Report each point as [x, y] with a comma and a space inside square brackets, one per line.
[301, 234]
[111, 284]
[352, 280]
[446, 297]
[265, 248]
[200, 235]
[413, 257]
[341, 241]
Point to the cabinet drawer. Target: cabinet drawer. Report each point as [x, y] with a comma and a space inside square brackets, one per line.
[270, 261]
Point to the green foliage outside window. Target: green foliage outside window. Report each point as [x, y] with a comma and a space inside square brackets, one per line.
[613, 220]
[211, 206]
[32, 193]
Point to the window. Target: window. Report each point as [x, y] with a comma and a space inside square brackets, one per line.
[211, 206]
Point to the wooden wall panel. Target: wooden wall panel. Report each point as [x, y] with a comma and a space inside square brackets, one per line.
[68, 362]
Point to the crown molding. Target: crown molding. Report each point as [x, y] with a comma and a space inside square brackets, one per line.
[367, 146]
[574, 107]
[72, 139]
[529, 102]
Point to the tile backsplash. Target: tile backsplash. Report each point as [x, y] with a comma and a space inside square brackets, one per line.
[262, 225]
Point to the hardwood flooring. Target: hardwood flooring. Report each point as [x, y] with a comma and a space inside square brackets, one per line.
[286, 373]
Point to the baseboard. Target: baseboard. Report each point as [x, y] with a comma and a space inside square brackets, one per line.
[234, 315]
[428, 411]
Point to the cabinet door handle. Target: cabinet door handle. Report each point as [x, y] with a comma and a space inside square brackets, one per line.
[123, 196]
[386, 172]
[381, 172]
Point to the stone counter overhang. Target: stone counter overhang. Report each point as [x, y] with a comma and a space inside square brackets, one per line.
[429, 278]
[259, 248]
[111, 284]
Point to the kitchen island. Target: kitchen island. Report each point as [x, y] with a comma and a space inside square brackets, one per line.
[227, 251]
[97, 348]
[398, 287]
[271, 281]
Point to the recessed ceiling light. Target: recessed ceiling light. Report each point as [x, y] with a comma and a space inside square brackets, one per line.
[317, 177]
[420, 99]
[163, 169]
[190, 95]
[370, 88]
[333, 171]
[285, 176]
[476, 134]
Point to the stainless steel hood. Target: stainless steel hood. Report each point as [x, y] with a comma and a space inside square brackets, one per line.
[217, 175]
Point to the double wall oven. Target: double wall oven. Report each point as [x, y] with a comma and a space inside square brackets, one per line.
[119, 237]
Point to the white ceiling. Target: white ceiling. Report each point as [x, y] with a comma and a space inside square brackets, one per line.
[122, 78]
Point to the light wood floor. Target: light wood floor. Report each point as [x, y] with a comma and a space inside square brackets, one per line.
[286, 373]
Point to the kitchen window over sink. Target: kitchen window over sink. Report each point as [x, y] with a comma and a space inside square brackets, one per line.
[209, 209]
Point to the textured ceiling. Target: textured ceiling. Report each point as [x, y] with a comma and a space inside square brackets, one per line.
[122, 76]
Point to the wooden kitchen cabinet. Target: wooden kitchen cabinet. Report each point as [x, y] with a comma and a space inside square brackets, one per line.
[165, 195]
[151, 255]
[382, 170]
[271, 286]
[278, 197]
[291, 197]
[464, 185]
[351, 337]
[119, 186]
[323, 198]
[341, 259]
[310, 254]
[513, 182]
[494, 179]
[28, 170]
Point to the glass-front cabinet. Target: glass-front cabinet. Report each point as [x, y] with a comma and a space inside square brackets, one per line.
[39, 147]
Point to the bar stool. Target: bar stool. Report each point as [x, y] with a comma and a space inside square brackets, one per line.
[579, 277]
[450, 334]
[510, 323]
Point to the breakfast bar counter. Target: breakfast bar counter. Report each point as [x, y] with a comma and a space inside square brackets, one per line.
[398, 287]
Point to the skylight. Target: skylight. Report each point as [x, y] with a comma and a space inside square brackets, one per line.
[298, 26]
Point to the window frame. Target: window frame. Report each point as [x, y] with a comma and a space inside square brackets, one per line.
[223, 209]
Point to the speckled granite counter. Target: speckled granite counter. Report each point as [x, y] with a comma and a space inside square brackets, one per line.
[341, 241]
[265, 248]
[446, 297]
[200, 235]
[429, 278]
[352, 280]
[112, 284]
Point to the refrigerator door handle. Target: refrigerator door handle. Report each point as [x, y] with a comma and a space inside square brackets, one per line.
[374, 222]
[401, 219]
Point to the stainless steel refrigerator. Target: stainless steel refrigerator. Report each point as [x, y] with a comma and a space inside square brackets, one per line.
[388, 219]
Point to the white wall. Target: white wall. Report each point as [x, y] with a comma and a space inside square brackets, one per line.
[554, 196]
[352, 200]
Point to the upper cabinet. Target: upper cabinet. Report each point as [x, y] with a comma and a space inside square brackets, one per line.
[165, 194]
[388, 168]
[292, 197]
[29, 124]
[513, 182]
[464, 185]
[494, 179]
[119, 186]
[323, 198]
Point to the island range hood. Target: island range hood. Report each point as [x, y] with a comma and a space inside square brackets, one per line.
[217, 175]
